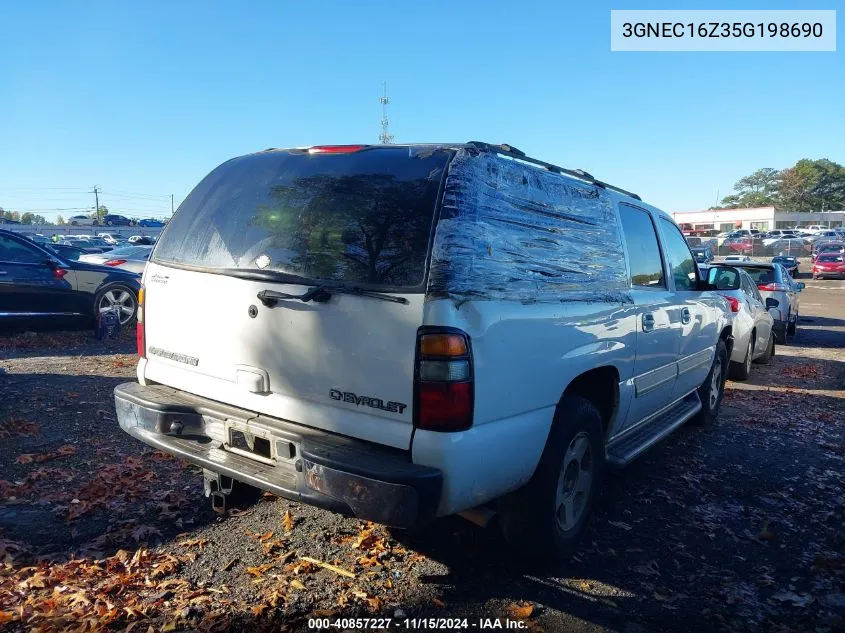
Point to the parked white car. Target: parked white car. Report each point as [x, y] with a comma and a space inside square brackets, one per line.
[132, 258]
[81, 220]
[404, 332]
[736, 258]
[754, 339]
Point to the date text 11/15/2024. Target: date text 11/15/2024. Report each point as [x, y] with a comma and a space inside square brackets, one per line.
[443, 624]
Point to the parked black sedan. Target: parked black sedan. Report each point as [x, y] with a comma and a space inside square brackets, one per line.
[36, 283]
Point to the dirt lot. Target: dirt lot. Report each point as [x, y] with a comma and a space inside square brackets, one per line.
[730, 528]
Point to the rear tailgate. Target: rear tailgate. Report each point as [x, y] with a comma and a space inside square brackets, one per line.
[286, 222]
[344, 366]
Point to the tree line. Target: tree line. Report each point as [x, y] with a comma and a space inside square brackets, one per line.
[809, 185]
[23, 218]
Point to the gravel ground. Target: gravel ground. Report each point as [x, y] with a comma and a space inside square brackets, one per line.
[730, 528]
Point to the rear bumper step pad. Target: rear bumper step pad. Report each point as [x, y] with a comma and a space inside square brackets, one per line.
[331, 471]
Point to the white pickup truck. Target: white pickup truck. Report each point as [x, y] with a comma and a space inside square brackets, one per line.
[404, 332]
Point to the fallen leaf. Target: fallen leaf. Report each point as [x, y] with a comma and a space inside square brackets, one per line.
[5, 616]
[297, 584]
[520, 610]
[374, 603]
[25, 458]
[330, 567]
[439, 603]
[287, 520]
[260, 570]
[259, 609]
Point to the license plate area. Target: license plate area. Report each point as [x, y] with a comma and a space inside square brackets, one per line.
[259, 443]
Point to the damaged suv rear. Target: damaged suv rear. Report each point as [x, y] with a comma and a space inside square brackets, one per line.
[405, 332]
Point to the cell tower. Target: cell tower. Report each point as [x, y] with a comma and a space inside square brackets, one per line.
[385, 138]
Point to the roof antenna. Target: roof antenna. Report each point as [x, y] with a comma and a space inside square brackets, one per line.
[385, 138]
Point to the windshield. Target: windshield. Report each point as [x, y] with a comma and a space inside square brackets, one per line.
[360, 217]
[764, 275]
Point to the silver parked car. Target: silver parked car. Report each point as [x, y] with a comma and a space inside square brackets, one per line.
[774, 282]
[754, 339]
[132, 258]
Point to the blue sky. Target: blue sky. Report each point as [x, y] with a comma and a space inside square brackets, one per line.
[144, 98]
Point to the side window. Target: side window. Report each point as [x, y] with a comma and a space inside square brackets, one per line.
[680, 259]
[643, 249]
[14, 251]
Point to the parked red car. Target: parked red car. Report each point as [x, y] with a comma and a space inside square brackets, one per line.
[829, 265]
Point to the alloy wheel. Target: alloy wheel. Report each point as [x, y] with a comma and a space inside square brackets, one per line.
[574, 483]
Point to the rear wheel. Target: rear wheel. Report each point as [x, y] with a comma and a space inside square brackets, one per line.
[741, 371]
[549, 516]
[118, 296]
[712, 389]
[770, 351]
[792, 326]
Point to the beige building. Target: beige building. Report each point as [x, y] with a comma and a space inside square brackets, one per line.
[762, 218]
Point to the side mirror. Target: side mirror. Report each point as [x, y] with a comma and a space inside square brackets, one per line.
[723, 278]
[772, 303]
[801, 286]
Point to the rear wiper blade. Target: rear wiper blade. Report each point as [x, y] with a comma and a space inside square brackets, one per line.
[361, 292]
[321, 294]
[265, 275]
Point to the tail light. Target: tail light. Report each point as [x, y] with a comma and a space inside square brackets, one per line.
[140, 334]
[59, 273]
[114, 262]
[443, 380]
[335, 149]
[772, 287]
[733, 301]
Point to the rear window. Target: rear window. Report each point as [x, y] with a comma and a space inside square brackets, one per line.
[830, 258]
[359, 217]
[764, 275]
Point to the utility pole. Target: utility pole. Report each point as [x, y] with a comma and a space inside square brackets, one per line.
[171, 205]
[385, 138]
[96, 193]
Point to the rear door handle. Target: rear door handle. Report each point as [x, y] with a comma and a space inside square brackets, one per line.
[648, 322]
[686, 317]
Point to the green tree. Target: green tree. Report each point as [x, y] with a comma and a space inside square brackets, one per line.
[27, 218]
[813, 185]
[759, 189]
[60, 221]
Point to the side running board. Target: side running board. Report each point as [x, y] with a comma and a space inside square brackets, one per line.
[625, 448]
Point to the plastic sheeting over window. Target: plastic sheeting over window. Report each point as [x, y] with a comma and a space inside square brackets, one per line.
[511, 231]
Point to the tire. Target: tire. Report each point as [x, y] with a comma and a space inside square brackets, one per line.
[118, 294]
[767, 356]
[792, 326]
[780, 336]
[544, 519]
[741, 371]
[710, 406]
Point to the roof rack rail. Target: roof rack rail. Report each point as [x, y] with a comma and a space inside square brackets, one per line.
[510, 150]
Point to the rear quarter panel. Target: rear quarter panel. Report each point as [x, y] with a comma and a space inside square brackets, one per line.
[524, 358]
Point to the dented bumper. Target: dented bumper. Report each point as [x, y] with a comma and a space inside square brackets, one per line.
[296, 462]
